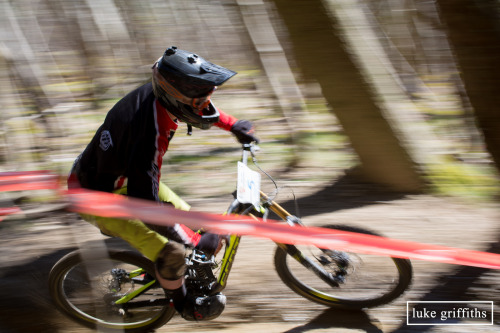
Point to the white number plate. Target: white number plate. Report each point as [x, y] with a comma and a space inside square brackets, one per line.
[248, 190]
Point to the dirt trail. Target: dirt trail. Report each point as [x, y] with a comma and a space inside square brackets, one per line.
[257, 300]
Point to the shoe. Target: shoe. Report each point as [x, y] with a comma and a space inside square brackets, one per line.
[199, 308]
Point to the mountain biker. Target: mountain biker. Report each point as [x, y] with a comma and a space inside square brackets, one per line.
[125, 156]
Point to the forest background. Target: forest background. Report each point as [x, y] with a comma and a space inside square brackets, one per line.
[396, 94]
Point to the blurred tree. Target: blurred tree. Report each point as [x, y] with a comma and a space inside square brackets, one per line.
[474, 32]
[274, 62]
[323, 56]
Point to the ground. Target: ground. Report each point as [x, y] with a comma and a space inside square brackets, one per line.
[257, 300]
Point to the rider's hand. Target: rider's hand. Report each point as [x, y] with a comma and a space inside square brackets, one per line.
[210, 243]
[244, 131]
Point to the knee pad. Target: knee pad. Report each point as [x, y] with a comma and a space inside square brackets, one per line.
[171, 261]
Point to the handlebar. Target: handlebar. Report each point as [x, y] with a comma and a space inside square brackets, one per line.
[249, 148]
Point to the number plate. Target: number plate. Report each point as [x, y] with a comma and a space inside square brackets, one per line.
[248, 190]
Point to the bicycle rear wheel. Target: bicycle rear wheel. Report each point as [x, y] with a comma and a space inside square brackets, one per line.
[368, 280]
[87, 292]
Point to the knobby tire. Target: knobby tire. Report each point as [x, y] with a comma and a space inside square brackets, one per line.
[59, 276]
[337, 297]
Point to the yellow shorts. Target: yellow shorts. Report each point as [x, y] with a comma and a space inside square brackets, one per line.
[135, 232]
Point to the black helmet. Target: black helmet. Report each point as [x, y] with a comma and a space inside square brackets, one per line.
[183, 83]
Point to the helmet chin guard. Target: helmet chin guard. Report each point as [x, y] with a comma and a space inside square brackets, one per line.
[202, 119]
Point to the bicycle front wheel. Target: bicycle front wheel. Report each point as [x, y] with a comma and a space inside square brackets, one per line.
[88, 292]
[364, 281]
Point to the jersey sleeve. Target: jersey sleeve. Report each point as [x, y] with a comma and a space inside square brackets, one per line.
[226, 121]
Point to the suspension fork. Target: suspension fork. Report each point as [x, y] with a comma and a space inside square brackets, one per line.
[292, 250]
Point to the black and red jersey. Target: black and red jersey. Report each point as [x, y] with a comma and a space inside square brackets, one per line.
[128, 147]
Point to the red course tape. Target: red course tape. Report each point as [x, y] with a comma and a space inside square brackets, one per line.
[28, 181]
[114, 205]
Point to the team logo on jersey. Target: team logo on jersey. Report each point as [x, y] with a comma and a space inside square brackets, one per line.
[106, 140]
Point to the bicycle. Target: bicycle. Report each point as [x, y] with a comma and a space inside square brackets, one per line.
[121, 293]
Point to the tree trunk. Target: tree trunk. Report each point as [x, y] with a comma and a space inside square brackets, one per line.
[474, 33]
[322, 56]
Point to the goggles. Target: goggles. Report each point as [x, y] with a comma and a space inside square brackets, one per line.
[198, 103]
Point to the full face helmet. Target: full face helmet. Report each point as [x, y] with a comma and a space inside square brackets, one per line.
[183, 82]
